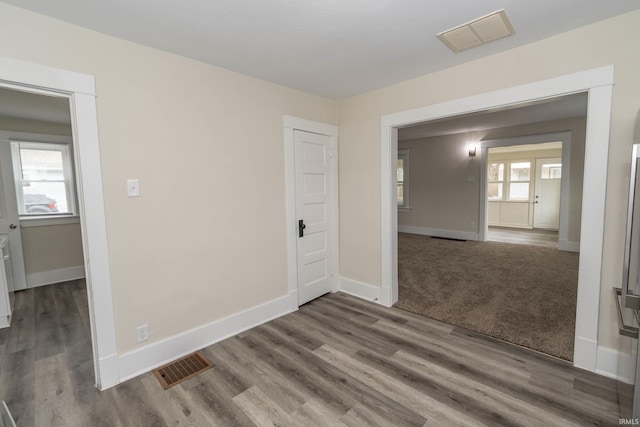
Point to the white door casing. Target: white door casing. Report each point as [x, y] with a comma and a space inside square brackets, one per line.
[80, 89]
[313, 204]
[324, 131]
[9, 219]
[546, 208]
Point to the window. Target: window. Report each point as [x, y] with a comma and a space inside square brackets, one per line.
[513, 185]
[496, 180]
[403, 179]
[43, 175]
[552, 171]
[520, 174]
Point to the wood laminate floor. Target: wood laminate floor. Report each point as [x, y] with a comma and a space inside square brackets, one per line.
[337, 361]
[521, 236]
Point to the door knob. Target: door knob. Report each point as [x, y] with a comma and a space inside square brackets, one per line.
[13, 226]
[301, 227]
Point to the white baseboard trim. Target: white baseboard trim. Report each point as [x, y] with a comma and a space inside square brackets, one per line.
[615, 364]
[514, 225]
[293, 300]
[109, 376]
[4, 322]
[565, 245]
[138, 362]
[55, 276]
[360, 289]
[585, 353]
[436, 232]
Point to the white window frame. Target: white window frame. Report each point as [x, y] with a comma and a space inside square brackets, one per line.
[506, 180]
[68, 172]
[404, 155]
[509, 181]
[503, 181]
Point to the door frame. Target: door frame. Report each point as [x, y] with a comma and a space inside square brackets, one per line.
[80, 89]
[291, 124]
[538, 181]
[565, 137]
[8, 136]
[598, 82]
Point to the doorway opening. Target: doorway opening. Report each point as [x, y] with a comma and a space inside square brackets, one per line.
[48, 312]
[598, 84]
[524, 194]
[79, 91]
[529, 300]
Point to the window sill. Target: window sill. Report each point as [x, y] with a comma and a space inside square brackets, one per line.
[43, 221]
[405, 209]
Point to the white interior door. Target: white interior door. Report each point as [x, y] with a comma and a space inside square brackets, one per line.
[9, 219]
[313, 187]
[547, 194]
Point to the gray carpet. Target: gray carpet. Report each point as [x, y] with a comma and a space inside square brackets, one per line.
[522, 294]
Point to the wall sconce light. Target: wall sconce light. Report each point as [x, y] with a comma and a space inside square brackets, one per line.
[472, 150]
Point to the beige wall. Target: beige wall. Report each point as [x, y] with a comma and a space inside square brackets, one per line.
[53, 247]
[613, 41]
[440, 167]
[440, 195]
[207, 146]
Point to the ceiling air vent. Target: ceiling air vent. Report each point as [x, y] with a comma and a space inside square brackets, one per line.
[483, 30]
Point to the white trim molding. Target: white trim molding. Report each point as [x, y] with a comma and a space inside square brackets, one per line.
[615, 364]
[292, 124]
[598, 83]
[55, 276]
[437, 232]
[80, 90]
[360, 289]
[138, 362]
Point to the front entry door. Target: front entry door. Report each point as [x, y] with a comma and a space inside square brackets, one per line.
[313, 185]
[9, 220]
[546, 212]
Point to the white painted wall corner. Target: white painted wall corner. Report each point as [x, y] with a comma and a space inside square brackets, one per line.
[565, 245]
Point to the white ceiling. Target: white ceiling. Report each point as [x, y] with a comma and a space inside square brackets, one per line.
[565, 107]
[333, 48]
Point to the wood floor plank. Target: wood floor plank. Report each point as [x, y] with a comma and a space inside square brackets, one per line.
[378, 402]
[313, 413]
[316, 386]
[261, 409]
[435, 412]
[336, 361]
[284, 392]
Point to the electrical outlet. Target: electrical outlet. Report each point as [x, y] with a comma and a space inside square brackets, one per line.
[133, 188]
[472, 225]
[142, 333]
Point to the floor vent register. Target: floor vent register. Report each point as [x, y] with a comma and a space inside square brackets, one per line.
[182, 369]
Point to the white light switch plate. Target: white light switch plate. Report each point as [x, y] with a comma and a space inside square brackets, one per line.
[133, 188]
